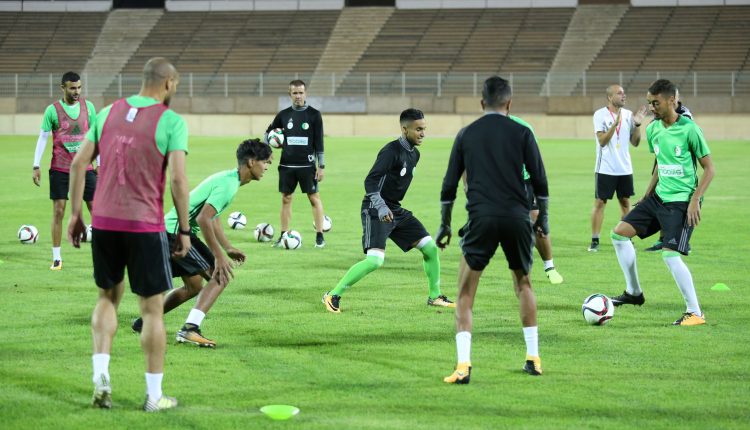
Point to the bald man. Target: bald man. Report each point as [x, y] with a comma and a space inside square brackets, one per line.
[136, 137]
[616, 128]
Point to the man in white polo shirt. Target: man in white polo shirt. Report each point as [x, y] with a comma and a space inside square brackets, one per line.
[616, 129]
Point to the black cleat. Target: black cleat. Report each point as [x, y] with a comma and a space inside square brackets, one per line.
[594, 247]
[533, 366]
[655, 247]
[628, 299]
[137, 325]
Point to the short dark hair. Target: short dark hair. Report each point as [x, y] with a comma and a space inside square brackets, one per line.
[69, 77]
[663, 87]
[298, 83]
[410, 115]
[253, 149]
[496, 91]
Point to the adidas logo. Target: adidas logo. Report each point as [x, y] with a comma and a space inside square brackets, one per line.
[672, 242]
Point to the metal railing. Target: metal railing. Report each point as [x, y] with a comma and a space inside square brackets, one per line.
[389, 84]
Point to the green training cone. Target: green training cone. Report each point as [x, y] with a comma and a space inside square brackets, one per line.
[279, 412]
[720, 287]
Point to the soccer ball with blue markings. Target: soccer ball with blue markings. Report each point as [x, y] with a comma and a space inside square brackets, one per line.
[291, 239]
[327, 224]
[237, 220]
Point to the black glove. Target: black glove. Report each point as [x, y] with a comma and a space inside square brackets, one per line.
[443, 236]
[542, 220]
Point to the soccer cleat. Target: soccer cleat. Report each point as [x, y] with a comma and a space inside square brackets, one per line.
[332, 303]
[441, 301]
[278, 243]
[319, 241]
[102, 394]
[655, 247]
[594, 247]
[195, 337]
[462, 374]
[553, 276]
[533, 365]
[56, 265]
[628, 299]
[137, 325]
[690, 318]
[165, 402]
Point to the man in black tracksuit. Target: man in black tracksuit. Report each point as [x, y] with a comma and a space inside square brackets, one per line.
[492, 151]
[303, 145]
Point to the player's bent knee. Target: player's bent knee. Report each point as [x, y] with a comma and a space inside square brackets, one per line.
[375, 258]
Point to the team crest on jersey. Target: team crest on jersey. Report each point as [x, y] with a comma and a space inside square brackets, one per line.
[656, 150]
[290, 124]
[403, 170]
[305, 126]
[677, 151]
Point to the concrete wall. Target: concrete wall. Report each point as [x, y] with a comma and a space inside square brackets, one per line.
[724, 126]
[553, 117]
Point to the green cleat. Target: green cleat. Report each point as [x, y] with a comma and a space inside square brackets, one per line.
[554, 276]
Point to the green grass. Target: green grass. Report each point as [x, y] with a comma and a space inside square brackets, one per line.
[379, 365]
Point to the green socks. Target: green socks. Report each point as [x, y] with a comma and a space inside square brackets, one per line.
[431, 265]
[357, 272]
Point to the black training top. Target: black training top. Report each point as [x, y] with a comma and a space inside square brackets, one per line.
[392, 173]
[303, 135]
[492, 151]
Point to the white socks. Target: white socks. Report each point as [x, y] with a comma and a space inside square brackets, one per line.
[195, 317]
[463, 346]
[56, 254]
[101, 366]
[531, 336]
[684, 279]
[626, 256]
[153, 385]
[548, 264]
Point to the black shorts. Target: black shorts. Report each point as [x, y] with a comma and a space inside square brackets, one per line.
[653, 215]
[481, 235]
[146, 255]
[404, 230]
[198, 260]
[289, 177]
[606, 185]
[530, 197]
[59, 184]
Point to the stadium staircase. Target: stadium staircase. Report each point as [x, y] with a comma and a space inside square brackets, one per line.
[587, 33]
[355, 30]
[121, 35]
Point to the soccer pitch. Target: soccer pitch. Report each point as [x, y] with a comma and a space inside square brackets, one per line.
[380, 364]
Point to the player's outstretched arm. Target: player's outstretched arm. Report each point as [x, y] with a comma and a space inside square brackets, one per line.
[222, 266]
[694, 207]
[180, 195]
[76, 226]
[235, 254]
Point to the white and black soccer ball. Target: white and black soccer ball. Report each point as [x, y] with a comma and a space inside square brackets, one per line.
[597, 309]
[327, 224]
[276, 138]
[291, 239]
[263, 232]
[28, 234]
[237, 220]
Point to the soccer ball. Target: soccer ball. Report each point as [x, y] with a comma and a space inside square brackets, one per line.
[237, 220]
[28, 234]
[597, 309]
[263, 232]
[326, 224]
[276, 138]
[291, 239]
